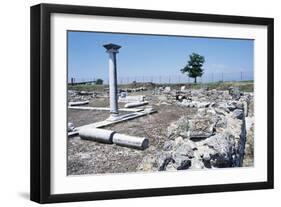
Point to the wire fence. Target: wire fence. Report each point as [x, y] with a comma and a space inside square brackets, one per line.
[172, 79]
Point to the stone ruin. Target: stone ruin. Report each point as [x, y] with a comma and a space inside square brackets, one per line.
[92, 131]
[215, 137]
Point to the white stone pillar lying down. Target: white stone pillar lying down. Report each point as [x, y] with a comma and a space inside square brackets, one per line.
[77, 103]
[108, 136]
[96, 134]
[130, 141]
[135, 104]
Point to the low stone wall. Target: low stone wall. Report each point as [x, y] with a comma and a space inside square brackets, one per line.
[214, 138]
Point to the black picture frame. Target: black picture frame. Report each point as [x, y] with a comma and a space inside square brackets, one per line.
[41, 96]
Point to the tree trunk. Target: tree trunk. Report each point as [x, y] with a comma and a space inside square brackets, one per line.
[195, 80]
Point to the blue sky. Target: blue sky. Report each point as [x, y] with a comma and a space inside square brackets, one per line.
[155, 55]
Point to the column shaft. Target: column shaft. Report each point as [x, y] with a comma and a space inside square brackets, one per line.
[113, 98]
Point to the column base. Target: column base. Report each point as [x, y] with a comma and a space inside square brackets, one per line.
[113, 117]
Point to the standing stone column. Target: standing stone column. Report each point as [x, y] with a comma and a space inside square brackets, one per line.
[112, 50]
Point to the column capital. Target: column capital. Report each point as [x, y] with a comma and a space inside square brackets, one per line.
[112, 47]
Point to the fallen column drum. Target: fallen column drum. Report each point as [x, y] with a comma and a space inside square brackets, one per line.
[110, 137]
[130, 141]
[96, 134]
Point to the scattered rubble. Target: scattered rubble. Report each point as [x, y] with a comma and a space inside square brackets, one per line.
[218, 136]
[128, 99]
[85, 93]
[197, 104]
[132, 90]
[70, 127]
[80, 96]
[71, 130]
[214, 141]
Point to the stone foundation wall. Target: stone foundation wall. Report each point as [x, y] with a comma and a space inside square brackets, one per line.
[214, 138]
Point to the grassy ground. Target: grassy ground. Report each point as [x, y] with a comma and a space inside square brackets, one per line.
[247, 86]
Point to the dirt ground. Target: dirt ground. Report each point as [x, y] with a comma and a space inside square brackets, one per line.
[88, 157]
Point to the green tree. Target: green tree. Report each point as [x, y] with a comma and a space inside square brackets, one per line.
[194, 66]
[99, 81]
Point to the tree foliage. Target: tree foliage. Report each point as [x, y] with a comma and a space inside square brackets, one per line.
[194, 67]
[99, 81]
